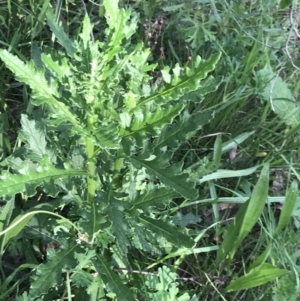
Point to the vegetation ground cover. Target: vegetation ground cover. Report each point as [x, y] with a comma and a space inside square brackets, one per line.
[149, 150]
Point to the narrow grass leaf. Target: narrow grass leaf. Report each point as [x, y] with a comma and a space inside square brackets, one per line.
[264, 274]
[227, 146]
[182, 252]
[217, 151]
[5, 216]
[224, 173]
[246, 218]
[256, 204]
[261, 259]
[288, 207]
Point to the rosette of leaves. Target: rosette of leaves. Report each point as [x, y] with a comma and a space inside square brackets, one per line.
[101, 141]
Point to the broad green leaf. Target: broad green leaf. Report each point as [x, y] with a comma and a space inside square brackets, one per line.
[50, 274]
[154, 197]
[59, 33]
[28, 180]
[288, 207]
[43, 91]
[256, 277]
[112, 281]
[280, 96]
[285, 3]
[174, 134]
[245, 219]
[169, 232]
[183, 81]
[171, 176]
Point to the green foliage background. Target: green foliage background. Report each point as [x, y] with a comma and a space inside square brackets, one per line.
[138, 119]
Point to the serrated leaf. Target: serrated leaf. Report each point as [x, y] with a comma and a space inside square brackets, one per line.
[50, 274]
[35, 137]
[107, 136]
[184, 220]
[43, 92]
[171, 176]
[189, 80]
[119, 227]
[86, 31]
[154, 197]
[92, 219]
[82, 279]
[144, 120]
[173, 135]
[165, 230]
[59, 33]
[112, 280]
[256, 277]
[28, 180]
[60, 69]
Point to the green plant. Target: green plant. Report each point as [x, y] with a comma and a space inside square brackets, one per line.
[99, 147]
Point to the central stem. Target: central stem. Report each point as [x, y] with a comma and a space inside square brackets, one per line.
[91, 183]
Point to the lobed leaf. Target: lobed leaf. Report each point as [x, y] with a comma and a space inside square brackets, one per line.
[171, 176]
[169, 232]
[50, 274]
[154, 197]
[59, 33]
[182, 81]
[112, 281]
[174, 134]
[108, 136]
[43, 91]
[147, 121]
[28, 180]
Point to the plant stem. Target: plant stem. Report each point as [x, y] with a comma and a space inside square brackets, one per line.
[91, 184]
